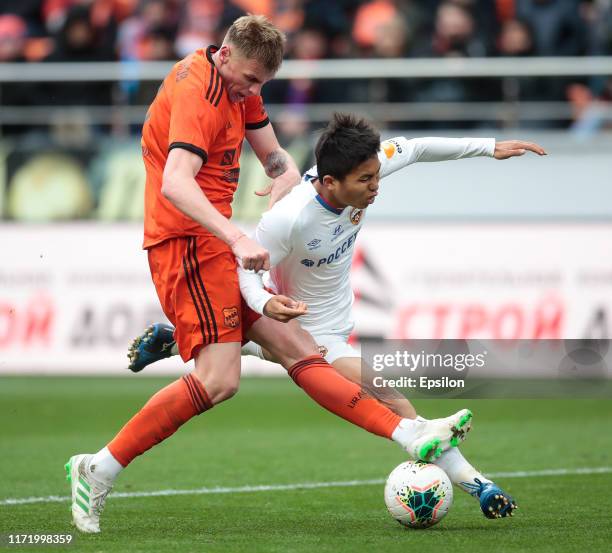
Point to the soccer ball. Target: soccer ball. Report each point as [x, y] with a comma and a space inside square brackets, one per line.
[418, 495]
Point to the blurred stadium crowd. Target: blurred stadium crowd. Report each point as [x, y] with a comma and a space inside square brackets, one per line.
[64, 163]
[104, 30]
[93, 30]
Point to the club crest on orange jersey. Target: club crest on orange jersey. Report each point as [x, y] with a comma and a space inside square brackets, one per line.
[356, 215]
[323, 351]
[231, 318]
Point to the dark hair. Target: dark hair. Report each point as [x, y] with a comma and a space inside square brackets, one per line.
[345, 143]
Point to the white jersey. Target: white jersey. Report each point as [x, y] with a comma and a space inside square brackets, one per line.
[311, 243]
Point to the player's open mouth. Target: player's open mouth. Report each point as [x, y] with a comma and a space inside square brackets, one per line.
[372, 198]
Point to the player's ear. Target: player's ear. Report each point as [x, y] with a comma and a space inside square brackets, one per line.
[329, 182]
[224, 53]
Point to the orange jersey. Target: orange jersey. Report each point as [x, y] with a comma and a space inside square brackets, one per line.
[192, 111]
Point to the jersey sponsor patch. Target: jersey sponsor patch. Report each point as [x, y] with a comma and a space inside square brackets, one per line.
[340, 250]
[390, 147]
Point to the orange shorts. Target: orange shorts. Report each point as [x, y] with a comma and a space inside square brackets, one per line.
[197, 285]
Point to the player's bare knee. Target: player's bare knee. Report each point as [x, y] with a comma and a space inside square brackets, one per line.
[225, 392]
[220, 382]
[220, 390]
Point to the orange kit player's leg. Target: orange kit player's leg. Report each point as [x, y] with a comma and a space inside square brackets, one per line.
[197, 284]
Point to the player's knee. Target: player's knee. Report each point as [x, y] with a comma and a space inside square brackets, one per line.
[225, 392]
[222, 390]
[220, 382]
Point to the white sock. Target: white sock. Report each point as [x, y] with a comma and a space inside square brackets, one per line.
[406, 431]
[460, 472]
[104, 467]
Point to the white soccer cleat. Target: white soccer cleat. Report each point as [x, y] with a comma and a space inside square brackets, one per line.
[438, 435]
[88, 494]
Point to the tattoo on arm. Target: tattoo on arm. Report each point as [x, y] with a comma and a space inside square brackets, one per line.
[275, 164]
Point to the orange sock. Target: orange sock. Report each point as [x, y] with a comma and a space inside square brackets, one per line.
[160, 417]
[343, 397]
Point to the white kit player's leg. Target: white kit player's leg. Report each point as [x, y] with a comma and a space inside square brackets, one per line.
[251, 348]
[428, 439]
[461, 473]
[494, 502]
[334, 347]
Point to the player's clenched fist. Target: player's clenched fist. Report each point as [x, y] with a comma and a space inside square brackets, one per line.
[512, 148]
[252, 256]
[283, 309]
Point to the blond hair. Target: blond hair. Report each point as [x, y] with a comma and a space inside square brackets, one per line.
[257, 38]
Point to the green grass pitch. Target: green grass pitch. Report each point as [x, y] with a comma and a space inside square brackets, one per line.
[271, 433]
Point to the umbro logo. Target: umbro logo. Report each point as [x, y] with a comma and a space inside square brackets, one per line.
[313, 244]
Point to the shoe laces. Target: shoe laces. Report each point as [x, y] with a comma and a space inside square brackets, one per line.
[475, 488]
[98, 499]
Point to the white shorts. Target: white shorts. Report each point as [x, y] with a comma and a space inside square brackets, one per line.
[332, 346]
[336, 346]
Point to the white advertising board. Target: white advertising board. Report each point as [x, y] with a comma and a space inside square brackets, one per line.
[72, 296]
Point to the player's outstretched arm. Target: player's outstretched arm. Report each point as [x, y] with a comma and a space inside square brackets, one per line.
[399, 152]
[278, 164]
[513, 148]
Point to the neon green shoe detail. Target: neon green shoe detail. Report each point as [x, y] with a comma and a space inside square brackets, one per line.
[429, 449]
[82, 505]
[84, 484]
[88, 494]
[465, 418]
[435, 436]
[462, 427]
[82, 494]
